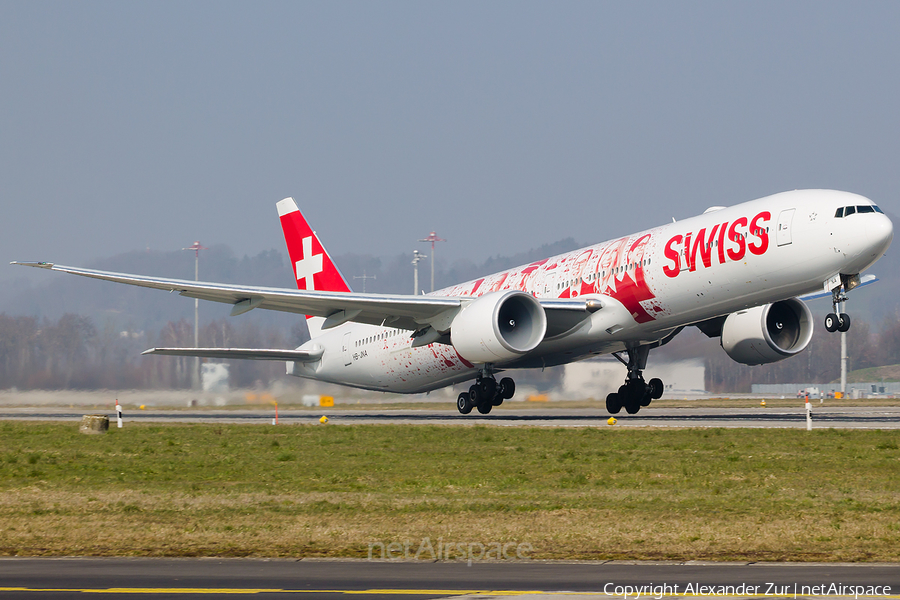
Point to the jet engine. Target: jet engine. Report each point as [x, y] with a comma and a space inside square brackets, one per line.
[768, 333]
[498, 327]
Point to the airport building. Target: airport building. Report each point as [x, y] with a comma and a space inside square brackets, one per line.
[874, 389]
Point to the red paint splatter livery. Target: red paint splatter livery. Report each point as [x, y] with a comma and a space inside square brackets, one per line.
[615, 269]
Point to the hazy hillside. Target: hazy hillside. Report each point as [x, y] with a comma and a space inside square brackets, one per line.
[884, 373]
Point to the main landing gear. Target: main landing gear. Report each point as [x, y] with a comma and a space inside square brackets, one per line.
[486, 393]
[634, 393]
[839, 320]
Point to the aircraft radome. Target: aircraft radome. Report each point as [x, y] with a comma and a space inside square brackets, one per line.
[734, 272]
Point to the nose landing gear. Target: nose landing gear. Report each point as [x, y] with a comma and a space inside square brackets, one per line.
[635, 392]
[839, 320]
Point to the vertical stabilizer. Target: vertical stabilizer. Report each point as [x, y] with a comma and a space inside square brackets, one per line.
[312, 266]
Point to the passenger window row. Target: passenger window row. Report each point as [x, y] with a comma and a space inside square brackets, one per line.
[849, 210]
[601, 274]
[376, 338]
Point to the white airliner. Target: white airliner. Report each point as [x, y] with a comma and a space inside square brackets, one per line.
[733, 272]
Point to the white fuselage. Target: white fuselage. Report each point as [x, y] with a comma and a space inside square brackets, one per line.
[650, 283]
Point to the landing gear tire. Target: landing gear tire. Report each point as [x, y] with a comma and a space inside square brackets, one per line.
[647, 398]
[636, 393]
[613, 404]
[844, 324]
[832, 322]
[637, 389]
[487, 387]
[485, 407]
[655, 387]
[475, 395]
[506, 388]
[504, 391]
[463, 404]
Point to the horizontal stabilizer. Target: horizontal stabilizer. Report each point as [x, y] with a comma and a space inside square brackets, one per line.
[246, 353]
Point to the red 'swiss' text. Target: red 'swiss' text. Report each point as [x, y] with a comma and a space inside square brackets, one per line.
[723, 242]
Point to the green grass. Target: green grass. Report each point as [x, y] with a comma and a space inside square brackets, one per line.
[304, 490]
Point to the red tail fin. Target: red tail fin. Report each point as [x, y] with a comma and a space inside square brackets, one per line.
[312, 266]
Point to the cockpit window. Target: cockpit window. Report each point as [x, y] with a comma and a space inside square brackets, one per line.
[850, 210]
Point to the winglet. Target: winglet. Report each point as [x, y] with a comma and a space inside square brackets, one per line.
[40, 265]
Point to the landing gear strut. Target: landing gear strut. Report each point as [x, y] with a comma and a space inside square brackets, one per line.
[486, 393]
[838, 320]
[634, 393]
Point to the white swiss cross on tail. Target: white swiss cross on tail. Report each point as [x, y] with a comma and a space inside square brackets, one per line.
[312, 265]
[309, 265]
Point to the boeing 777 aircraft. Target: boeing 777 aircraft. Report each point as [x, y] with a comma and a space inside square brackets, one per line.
[733, 272]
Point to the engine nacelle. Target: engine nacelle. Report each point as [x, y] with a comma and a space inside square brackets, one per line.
[768, 333]
[498, 326]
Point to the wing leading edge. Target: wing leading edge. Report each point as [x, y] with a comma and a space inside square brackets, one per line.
[403, 312]
[400, 311]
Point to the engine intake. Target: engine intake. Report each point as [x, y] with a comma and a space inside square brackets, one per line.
[498, 326]
[768, 333]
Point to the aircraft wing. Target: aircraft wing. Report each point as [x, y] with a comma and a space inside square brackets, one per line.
[246, 353]
[865, 280]
[400, 311]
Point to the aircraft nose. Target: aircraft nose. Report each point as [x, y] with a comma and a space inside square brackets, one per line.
[880, 232]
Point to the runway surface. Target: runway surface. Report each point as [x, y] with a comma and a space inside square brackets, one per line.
[822, 416]
[188, 578]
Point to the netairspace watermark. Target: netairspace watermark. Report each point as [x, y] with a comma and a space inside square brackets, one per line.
[659, 591]
[468, 551]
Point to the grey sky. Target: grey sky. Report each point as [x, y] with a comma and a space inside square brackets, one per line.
[502, 125]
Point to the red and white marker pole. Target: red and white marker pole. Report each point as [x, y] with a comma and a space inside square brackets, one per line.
[119, 413]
